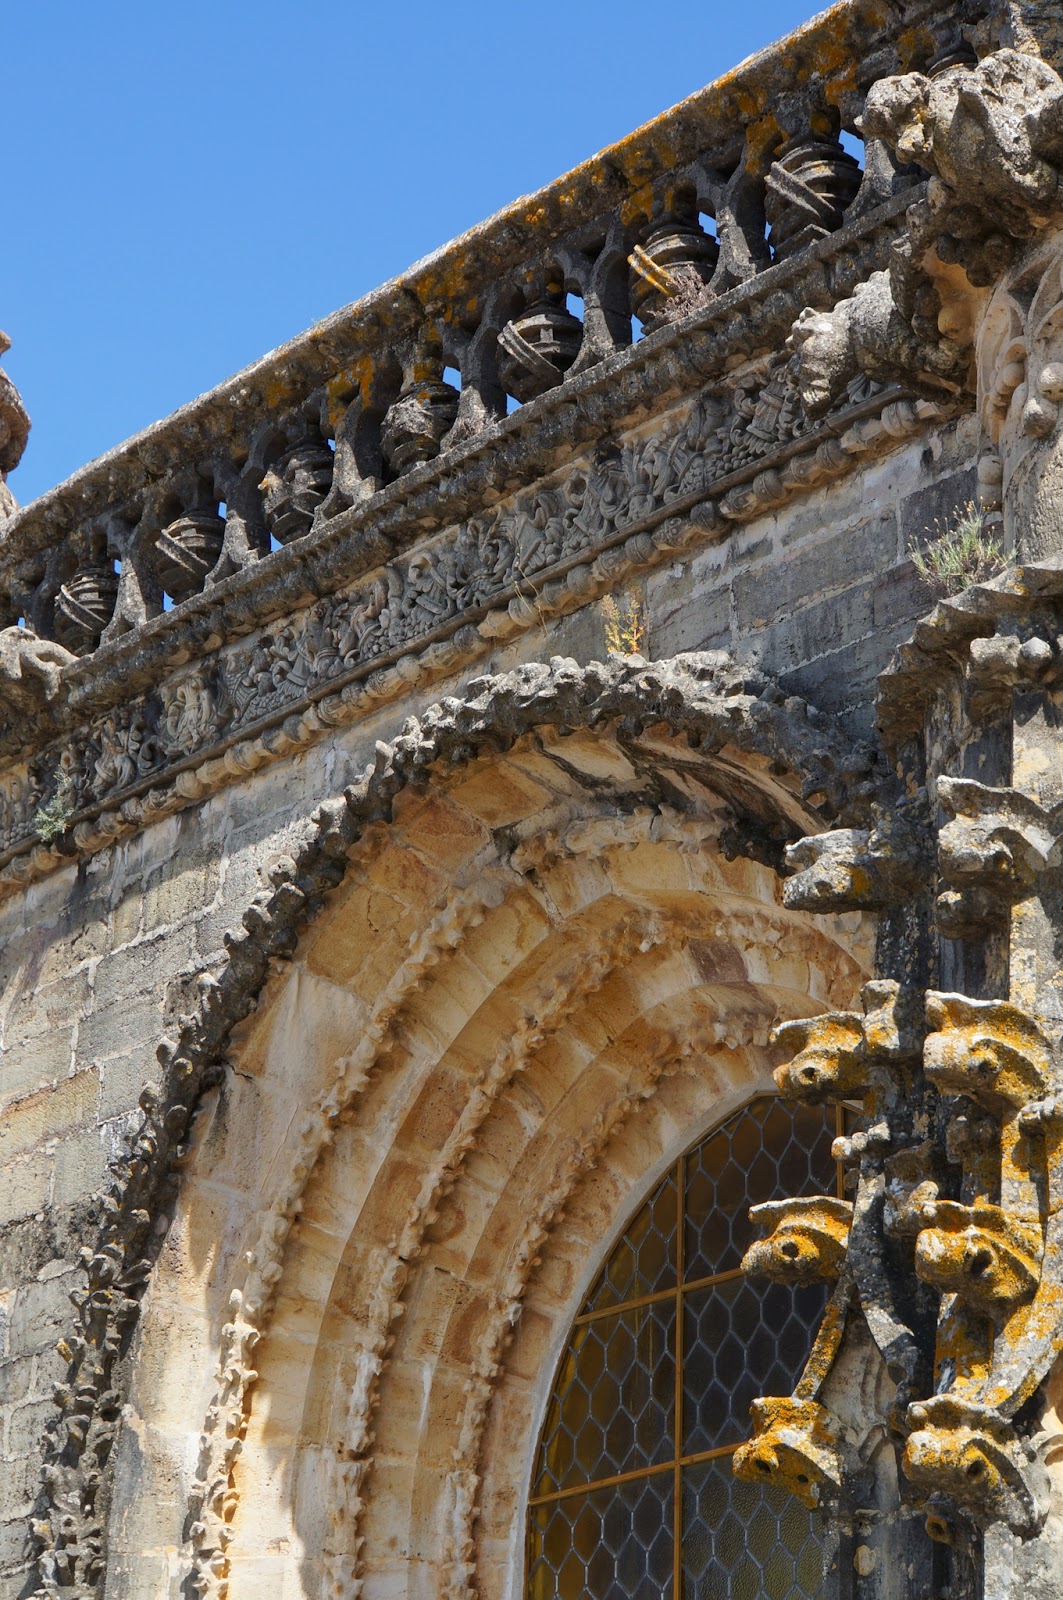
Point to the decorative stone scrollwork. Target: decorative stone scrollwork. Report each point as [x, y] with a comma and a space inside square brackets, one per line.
[30, 670]
[671, 268]
[187, 549]
[538, 347]
[811, 184]
[861, 869]
[294, 487]
[84, 606]
[414, 426]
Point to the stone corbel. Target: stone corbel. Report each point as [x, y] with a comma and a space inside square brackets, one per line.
[961, 1449]
[794, 1446]
[989, 1050]
[858, 869]
[990, 855]
[806, 1241]
[835, 1056]
[991, 1260]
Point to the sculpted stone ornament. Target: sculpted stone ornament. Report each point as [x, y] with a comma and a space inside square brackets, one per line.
[991, 855]
[30, 670]
[990, 1050]
[414, 426]
[810, 185]
[794, 1447]
[991, 135]
[806, 1242]
[961, 1449]
[856, 869]
[671, 268]
[979, 1253]
[294, 487]
[538, 347]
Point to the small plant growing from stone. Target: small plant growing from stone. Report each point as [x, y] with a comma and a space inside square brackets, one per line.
[961, 552]
[625, 624]
[52, 820]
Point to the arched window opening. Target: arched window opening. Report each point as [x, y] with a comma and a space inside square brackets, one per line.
[632, 1494]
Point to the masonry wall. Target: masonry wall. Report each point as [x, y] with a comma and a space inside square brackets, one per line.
[97, 961]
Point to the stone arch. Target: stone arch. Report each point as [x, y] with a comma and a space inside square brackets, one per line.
[586, 832]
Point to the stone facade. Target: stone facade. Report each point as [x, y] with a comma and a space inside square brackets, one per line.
[375, 931]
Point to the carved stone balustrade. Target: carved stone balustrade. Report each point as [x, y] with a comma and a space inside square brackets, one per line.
[366, 484]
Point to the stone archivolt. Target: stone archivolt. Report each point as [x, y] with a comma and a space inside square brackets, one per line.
[694, 756]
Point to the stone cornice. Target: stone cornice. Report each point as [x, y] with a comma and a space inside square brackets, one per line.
[711, 462]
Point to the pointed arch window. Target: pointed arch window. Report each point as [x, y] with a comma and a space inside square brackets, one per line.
[632, 1494]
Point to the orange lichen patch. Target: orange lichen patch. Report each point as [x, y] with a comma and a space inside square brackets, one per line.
[914, 45]
[762, 138]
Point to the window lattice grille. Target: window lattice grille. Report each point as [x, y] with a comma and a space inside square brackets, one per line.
[633, 1495]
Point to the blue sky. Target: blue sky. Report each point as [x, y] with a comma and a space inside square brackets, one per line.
[189, 185]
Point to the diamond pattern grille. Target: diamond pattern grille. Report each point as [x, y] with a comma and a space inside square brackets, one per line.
[634, 1495]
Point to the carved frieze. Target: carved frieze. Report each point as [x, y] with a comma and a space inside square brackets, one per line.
[556, 544]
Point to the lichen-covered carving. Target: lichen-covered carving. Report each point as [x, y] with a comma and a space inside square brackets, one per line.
[415, 425]
[961, 1449]
[794, 1447]
[836, 1055]
[856, 869]
[992, 135]
[991, 855]
[807, 1239]
[987, 1049]
[829, 1060]
[979, 1253]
